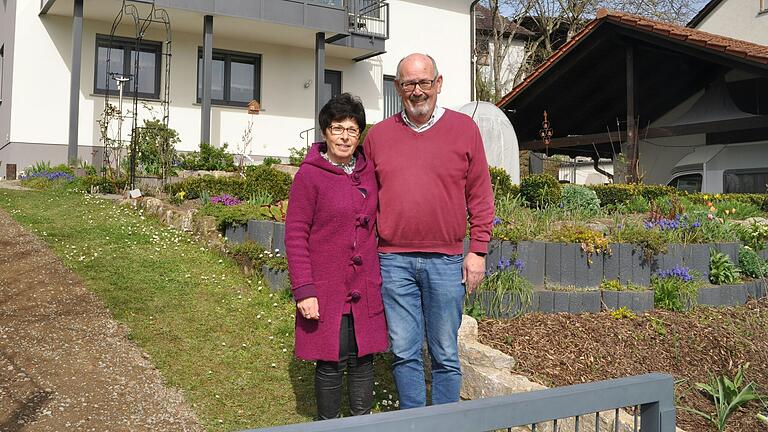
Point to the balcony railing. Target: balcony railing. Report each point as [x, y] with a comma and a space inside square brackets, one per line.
[368, 17]
[590, 407]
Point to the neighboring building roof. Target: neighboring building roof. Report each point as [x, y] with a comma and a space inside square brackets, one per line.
[721, 44]
[709, 7]
[484, 22]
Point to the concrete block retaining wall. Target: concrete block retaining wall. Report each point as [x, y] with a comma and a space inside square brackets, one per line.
[567, 265]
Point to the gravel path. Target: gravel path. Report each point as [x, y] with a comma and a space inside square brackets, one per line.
[65, 364]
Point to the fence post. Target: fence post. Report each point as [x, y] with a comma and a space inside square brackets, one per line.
[660, 416]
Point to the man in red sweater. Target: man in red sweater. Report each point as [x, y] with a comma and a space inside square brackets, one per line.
[432, 173]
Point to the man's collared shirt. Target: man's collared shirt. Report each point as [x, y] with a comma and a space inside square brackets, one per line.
[436, 114]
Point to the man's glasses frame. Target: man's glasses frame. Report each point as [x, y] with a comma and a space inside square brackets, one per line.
[410, 86]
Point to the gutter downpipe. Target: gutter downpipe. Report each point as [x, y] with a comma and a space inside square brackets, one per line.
[473, 92]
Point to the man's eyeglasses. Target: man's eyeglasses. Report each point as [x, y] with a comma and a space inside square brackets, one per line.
[423, 84]
[338, 130]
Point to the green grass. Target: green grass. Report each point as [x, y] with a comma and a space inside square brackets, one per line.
[215, 334]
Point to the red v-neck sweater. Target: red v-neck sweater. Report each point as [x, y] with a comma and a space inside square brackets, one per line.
[429, 182]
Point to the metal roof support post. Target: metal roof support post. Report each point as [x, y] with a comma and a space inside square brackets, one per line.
[319, 80]
[205, 97]
[74, 82]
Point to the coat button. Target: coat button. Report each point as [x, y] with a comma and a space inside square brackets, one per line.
[355, 295]
[357, 260]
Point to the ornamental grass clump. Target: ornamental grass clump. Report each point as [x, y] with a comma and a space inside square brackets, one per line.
[675, 289]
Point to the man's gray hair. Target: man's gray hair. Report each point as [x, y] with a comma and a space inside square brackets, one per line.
[434, 65]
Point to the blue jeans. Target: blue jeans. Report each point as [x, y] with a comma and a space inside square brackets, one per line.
[423, 291]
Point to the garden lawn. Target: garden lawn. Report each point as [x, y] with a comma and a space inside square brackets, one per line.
[220, 337]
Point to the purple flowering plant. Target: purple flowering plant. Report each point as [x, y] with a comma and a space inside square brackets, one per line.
[49, 175]
[680, 228]
[225, 199]
[506, 287]
[675, 289]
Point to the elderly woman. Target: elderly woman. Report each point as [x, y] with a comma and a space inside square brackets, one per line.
[331, 248]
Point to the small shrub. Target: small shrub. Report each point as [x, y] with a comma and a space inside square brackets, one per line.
[674, 289]
[638, 204]
[751, 264]
[721, 269]
[296, 155]
[260, 178]
[501, 181]
[580, 200]
[257, 179]
[156, 148]
[101, 184]
[620, 194]
[540, 190]
[232, 215]
[209, 158]
[269, 161]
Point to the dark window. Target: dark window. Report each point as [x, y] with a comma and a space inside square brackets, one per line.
[688, 182]
[370, 8]
[123, 56]
[745, 181]
[392, 102]
[235, 77]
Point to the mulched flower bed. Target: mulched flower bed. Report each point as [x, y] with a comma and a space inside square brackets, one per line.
[564, 349]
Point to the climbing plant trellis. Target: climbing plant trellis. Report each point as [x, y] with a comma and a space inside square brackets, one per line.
[114, 116]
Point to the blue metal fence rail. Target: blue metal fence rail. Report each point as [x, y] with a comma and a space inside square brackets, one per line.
[652, 394]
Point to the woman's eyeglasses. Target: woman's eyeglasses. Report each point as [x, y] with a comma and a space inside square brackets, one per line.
[338, 130]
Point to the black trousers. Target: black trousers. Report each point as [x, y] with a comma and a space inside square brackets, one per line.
[329, 376]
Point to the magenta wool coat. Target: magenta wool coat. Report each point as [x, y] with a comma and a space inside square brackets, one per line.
[330, 243]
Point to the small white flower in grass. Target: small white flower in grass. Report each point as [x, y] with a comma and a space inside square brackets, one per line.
[223, 344]
[269, 320]
[243, 345]
[285, 350]
[274, 365]
[274, 304]
[374, 393]
[271, 337]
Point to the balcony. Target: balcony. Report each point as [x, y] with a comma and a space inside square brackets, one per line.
[354, 29]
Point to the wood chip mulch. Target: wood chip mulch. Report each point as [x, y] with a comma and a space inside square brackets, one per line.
[564, 349]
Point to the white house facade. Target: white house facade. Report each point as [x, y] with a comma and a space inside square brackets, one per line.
[740, 19]
[60, 61]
